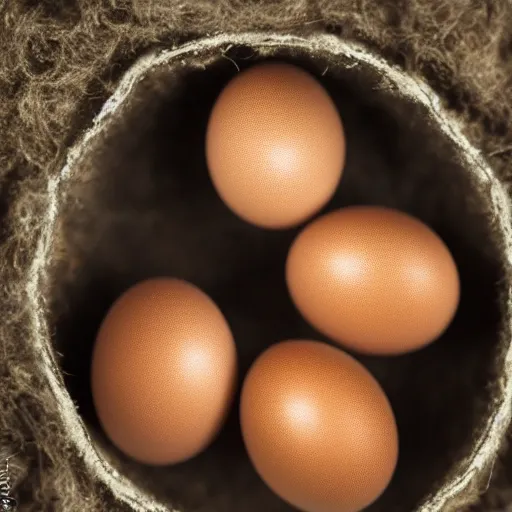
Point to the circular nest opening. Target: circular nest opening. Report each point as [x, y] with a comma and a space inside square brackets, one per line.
[139, 204]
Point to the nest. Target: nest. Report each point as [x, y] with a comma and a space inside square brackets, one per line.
[131, 199]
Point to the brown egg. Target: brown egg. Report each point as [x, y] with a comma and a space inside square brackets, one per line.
[163, 371]
[318, 427]
[375, 280]
[275, 145]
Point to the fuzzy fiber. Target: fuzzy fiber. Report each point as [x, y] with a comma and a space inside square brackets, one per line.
[61, 59]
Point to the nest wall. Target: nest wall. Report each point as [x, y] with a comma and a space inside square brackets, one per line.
[62, 60]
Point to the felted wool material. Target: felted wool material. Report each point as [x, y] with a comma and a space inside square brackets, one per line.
[61, 61]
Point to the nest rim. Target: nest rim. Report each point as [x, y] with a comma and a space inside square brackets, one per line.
[484, 448]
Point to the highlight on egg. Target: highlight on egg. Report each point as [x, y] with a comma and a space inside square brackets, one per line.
[163, 371]
[318, 427]
[275, 145]
[373, 279]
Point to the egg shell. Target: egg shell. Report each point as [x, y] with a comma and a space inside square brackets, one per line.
[275, 145]
[374, 279]
[318, 427]
[163, 371]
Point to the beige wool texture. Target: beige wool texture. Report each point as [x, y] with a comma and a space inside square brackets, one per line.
[67, 70]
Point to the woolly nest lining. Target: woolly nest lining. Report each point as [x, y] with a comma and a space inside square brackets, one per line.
[134, 201]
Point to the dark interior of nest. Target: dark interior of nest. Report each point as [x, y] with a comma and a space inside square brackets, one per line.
[142, 205]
